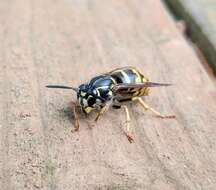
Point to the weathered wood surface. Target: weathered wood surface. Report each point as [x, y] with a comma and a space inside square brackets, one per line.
[70, 41]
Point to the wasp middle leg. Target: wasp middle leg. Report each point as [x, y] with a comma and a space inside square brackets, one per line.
[147, 107]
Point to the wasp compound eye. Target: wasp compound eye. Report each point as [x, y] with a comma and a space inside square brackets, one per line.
[91, 101]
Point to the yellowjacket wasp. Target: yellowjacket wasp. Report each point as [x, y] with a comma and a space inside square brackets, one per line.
[114, 88]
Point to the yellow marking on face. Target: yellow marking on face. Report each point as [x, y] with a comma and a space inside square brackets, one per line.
[83, 93]
[85, 102]
[88, 109]
[127, 79]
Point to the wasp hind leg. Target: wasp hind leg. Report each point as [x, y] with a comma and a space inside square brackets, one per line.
[158, 114]
[127, 123]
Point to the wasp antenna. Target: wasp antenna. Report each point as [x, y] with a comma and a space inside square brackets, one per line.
[155, 84]
[63, 87]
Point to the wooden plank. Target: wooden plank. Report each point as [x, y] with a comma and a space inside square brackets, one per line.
[70, 41]
[200, 18]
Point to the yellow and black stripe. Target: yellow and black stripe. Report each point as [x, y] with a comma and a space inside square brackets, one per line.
[130, 75]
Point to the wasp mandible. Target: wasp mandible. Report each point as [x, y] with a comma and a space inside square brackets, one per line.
[114, 89]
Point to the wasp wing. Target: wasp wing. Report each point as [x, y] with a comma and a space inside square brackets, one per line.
[130, 88]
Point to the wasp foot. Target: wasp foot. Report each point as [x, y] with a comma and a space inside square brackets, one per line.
[166, 116]
[129, 137]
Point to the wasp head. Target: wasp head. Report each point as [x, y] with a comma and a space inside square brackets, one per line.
[88, 98]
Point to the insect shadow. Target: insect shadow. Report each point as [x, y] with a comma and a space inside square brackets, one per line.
[67, 113]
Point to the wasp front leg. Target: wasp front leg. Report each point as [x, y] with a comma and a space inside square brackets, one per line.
[102, 111]
[147, 107]
[127, 123]
[76, 118]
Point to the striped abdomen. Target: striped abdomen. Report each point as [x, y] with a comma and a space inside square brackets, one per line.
[130, 75]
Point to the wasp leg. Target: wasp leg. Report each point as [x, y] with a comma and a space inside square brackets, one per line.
[76, 118]
[127, 122]
[102, 111]
[158, 114]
